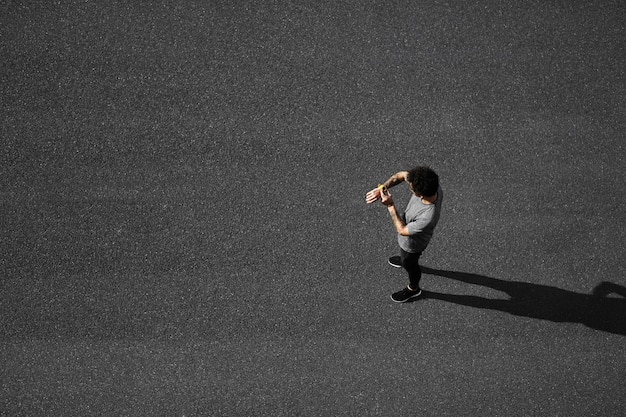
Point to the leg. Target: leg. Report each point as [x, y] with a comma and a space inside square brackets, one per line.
[410, 262]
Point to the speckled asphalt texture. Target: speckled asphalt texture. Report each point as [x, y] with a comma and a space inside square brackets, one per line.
[183, 228]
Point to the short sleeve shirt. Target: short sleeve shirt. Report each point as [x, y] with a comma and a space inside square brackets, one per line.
[421, 220]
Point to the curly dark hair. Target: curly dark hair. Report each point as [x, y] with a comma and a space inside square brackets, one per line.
[424, 180]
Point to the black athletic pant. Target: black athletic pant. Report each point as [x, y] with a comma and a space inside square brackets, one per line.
[410, 262]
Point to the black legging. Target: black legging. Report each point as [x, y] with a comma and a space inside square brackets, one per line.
[410, 262]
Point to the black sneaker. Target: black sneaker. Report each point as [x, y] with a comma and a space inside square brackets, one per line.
[405, 295]
[395, 261]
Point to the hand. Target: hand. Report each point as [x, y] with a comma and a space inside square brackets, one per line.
[386, 199]
[372, 196]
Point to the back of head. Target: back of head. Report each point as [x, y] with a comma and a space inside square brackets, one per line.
[424, 180]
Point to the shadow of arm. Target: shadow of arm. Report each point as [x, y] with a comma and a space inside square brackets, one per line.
[605, 288]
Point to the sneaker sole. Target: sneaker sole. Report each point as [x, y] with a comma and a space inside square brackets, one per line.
[394, 265]
[410, 298]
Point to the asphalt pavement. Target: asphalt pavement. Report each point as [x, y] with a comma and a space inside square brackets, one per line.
[184, 230]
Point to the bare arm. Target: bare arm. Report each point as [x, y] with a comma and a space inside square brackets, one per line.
[398, 223]
[394, 180]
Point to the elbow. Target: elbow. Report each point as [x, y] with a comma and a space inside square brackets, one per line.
[404, 231]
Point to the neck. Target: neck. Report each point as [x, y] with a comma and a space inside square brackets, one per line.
[429, 200]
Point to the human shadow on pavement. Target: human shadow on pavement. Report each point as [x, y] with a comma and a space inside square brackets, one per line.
[596, 310]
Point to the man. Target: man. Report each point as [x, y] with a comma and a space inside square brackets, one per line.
[415, 227]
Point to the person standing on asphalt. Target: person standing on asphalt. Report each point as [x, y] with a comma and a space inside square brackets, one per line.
[416, 226]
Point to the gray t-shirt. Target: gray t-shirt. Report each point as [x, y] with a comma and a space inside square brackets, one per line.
[421, 220]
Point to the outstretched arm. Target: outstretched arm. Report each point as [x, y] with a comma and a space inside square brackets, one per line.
[397, 178]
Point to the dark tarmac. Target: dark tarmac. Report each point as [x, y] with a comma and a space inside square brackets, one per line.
[184, 231]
